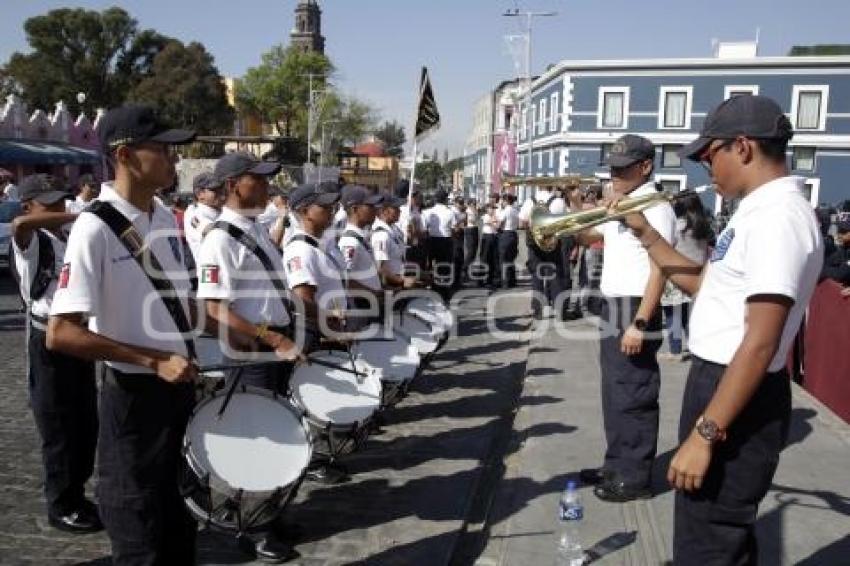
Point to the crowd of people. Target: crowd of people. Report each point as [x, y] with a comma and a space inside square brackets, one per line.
[111, 276]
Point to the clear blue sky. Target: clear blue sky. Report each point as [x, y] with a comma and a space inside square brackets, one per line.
[379, 46]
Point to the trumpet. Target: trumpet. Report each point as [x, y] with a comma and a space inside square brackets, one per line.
[563, 181]
[545, 227]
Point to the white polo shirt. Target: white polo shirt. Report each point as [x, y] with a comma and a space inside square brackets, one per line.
[26, 262]
[407, 217]
[625, 267]
[358, 258]
[76, 206]
[100, 279]
[460, 215]
[195, 221]
[471, 217]
[542, 198]
[388, 246]
[439, 221]
[320, 266]
[487, 223]
[228, 270]
[508, 217]
[771, 246]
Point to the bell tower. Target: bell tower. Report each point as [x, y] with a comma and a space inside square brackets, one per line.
[307, 33]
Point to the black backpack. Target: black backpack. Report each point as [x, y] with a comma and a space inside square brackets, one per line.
[44, 273]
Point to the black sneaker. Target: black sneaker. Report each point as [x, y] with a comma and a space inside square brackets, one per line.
[619, 492]
[594, 476]
[84, 520]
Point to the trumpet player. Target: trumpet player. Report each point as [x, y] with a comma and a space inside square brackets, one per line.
[631, 330]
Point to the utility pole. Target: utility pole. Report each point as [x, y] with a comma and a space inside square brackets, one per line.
[311, 102]
[529, 112]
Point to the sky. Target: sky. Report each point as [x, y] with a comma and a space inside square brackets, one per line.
[379, 46]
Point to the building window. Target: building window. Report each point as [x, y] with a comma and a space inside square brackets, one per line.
[523, 133]
[672, 183]
[613, 107]
[539, 160]
[808, 107]
[803, 159]
[811, 190]
[553, 103]
[737, 90]
[541, 124]
[670, 157]
[675, 107]
[604, 150]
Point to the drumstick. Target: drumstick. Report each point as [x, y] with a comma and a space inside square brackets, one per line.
[335, 366]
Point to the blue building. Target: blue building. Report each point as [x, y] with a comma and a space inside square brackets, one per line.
[580, 107]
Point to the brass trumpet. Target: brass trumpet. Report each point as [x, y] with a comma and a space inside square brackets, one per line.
[563, 181]
[545, 227]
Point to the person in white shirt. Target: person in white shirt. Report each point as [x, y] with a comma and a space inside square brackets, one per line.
[199, 219]
[459, 211]
[277, 218]
[88, 189]
[631, 330]
[63, 394]
[750, 300]
[471, 236]
[10, 190]
[550, 277]
[507, 240]
[147, 394]
[364, 284]
[240, 281]
[440, 223]
[388, 245]
[410, 224]
[489, 245]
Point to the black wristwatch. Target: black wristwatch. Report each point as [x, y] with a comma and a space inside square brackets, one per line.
[640, 324]
[709, 430]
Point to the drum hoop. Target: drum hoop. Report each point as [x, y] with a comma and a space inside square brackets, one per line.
[216, 482]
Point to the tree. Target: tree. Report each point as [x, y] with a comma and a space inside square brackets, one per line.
[77, 50]
[346, 120]
[393, 137]
[277, 89]
[445, 156]
[185, 86]
[823, 49]
[430, 174]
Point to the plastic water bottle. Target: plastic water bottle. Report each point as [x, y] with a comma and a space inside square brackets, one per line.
[570, 514]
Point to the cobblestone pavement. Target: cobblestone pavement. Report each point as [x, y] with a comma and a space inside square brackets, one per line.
[413, 486]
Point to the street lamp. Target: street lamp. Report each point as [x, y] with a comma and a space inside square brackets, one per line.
[515, 13]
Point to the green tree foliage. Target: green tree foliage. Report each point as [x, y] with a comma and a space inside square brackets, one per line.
[277, 90]
[823, 49]
[187, 89]
[430, 174]
[346, 120]
[393, 136]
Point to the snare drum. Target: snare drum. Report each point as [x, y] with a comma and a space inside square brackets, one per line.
[395, 360]
[422, 335]
[338, 404]
[432, 311]
[242, 469]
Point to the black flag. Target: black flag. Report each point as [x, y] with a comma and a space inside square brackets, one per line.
[428, 117]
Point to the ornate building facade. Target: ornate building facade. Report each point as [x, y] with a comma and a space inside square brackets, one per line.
[307, 33]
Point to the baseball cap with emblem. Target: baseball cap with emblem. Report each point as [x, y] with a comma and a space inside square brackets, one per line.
[747, 115]
[133, 124]
[389, 201]
[205, 180]
[44, 189]
[356, 194]
[243, 163]
[629, 149]
[305, 195]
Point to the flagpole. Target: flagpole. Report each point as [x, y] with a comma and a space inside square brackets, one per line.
[412, 175]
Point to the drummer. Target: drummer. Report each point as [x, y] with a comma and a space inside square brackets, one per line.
[315, 270]
[239, 293]
[388, 245]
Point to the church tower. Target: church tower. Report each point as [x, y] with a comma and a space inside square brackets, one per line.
[307, 34]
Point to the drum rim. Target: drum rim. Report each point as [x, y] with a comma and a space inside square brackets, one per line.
[215, 481]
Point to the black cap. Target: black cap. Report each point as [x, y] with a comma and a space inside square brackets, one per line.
[205, 180]
[390, 201]
[134, 123]
[630, 149]
[305, 195]
[357, 194]
[86, 179]
[42, 188]
[745, 115]
[243, 163]
[843, 226]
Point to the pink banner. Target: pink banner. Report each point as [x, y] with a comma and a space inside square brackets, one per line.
[504, 159]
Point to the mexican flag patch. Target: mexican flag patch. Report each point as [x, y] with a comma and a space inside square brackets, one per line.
[209, 274]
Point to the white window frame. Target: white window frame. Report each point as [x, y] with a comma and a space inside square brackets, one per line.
[539, 161]
[523, 134]
[553, 110]
[600, 106]
[662, 98]
[543, 118]
[815, 183]
[682, 179]
[729, 89]
[824, 103]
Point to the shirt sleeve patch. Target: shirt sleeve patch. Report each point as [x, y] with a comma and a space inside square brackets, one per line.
[64, 276]
[294, 264]
[209, 274]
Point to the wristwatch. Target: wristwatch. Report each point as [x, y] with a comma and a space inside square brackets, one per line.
[640, 324]
[709, 430]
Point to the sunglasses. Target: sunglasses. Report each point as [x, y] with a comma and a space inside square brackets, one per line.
[708, 156]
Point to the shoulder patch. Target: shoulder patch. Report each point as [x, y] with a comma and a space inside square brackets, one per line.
[294, 264]
[209, 274]
[64, 276]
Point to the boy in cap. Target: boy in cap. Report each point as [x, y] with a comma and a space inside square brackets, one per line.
[364, 285]
[63, 395]
[751, 297]
[197, 221]
[388, 245]
[440, 223]
[147, 394]
[631, 317]
[88, 189]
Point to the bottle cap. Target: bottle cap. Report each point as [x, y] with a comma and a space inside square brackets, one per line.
[571, 484]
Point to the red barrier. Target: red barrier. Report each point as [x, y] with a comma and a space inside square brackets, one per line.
[826, 358]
